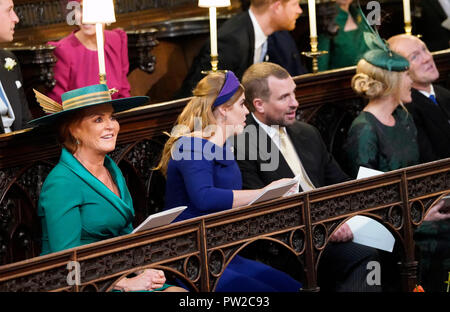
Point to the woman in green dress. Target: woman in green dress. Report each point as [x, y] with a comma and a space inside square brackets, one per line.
[383, 136]
[85, 199]
[347, 45]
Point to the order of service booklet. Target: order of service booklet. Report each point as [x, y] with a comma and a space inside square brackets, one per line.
[367, 231]
[159, 219]
[275, 191]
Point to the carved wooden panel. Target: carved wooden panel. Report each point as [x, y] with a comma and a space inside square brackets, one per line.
[230, 233]
[345, 204]
[182, 248]
[301, 224]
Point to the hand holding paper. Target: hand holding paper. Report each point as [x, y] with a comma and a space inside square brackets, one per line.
[159, 219]
[367, 231]
[275, 189]
[342, 235]
[439, 211]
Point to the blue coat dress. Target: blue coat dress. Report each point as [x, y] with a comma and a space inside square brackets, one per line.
[202, 176]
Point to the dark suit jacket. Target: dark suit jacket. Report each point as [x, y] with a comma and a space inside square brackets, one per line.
[319, 164]
[16, 96]
[235, 46]
[432, 123]
[283, 50]
[435, 36]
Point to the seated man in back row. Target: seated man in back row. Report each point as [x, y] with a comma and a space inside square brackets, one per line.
[284, 148]
[261, 33]
[14, 112]
[430, 106]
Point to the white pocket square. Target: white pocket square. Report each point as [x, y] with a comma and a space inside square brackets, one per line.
[18, 84]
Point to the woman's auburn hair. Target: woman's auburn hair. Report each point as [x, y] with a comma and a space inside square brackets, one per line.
[64, 129]
[198, 108]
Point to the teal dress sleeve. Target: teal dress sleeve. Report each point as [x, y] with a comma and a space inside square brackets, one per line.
[362, 147]
[62, 214]
[324, 44]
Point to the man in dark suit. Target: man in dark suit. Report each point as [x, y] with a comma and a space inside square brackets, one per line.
[430, 106]
[14, 112]
[275, 145]
[260, 33]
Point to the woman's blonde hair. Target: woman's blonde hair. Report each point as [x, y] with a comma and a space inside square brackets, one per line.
[374, 82]
[198, 109]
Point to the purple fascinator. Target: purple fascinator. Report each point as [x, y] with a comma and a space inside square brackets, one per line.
[229, 88]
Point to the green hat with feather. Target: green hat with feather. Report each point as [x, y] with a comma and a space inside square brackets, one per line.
[379, 53]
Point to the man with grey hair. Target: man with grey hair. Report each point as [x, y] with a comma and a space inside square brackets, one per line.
[14, 112]
[430, 106]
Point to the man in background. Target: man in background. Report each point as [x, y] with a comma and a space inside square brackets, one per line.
[255, 35]
[430, 106]
[14, 112]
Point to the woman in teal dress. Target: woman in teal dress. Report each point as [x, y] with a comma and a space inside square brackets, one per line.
[85, 199]
[383, 136]
[347, 45]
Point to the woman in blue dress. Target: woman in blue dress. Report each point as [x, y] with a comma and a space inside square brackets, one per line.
[202, 173]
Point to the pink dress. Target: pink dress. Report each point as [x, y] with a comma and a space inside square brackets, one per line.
[77, 66]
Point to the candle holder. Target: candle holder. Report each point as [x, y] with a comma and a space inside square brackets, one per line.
[99, 12]
[214, 66]
[408, 28]
[314, 54]
[102, 78]
[213, 5]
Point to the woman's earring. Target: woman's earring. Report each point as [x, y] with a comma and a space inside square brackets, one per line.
[77, 142]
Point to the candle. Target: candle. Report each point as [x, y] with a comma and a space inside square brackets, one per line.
[213, 29]
[100, 49]
[406, 11]
[312, 18]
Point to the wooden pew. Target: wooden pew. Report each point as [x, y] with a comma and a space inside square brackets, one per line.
[196, 251]
[163, 36]
[26, 157]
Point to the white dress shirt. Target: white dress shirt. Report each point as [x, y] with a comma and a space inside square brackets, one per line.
[6, 112]
[260, 40]
[274, 134]
[428, 94]
[445, 4]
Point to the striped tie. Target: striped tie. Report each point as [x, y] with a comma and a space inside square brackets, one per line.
[3, 97]
[291, 157]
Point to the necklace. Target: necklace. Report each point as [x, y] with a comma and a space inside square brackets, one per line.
[113, 187]
[109, 182]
